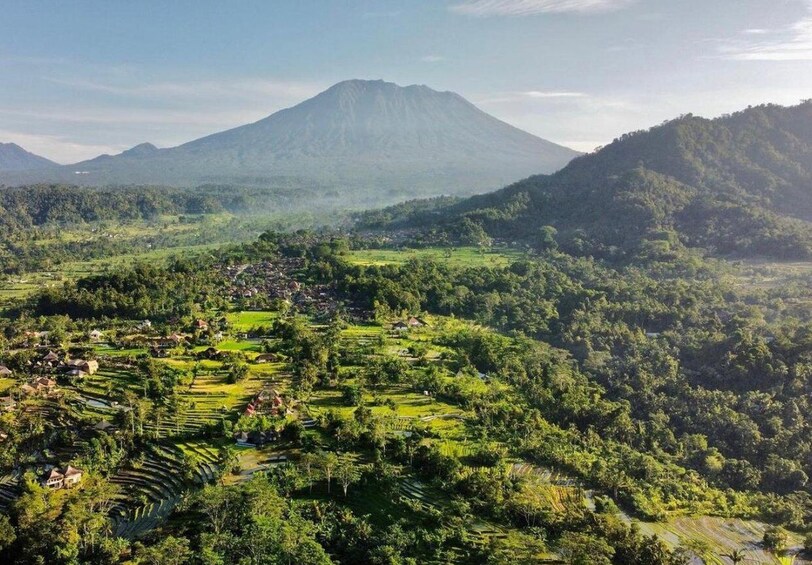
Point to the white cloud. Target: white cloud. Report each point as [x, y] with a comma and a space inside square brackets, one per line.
[482, 8]
[552, 94]
[432, 59]
[240, 88]
[791, 43]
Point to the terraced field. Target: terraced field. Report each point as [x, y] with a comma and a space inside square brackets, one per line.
[722, 535]
[151, 490]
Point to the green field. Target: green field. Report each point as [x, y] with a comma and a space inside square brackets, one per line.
[456, 257]
[245, 320]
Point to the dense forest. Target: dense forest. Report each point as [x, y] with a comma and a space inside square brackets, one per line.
[737, 185]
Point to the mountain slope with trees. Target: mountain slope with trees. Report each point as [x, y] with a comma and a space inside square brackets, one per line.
[736, 185]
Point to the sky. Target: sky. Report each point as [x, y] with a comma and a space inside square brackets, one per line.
[81, 78]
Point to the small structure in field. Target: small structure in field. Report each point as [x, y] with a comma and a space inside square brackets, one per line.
[5, 371]
[95, 335]
[400, 326]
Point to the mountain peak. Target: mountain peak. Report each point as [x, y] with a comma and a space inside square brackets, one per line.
[140, 149]
[15, 158]
[374, 139]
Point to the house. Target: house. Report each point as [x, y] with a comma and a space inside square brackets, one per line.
[104, 426]
[63, 478]
[5, 371]
[50, 359]
[168, 342]
[76, 374]
[95, 335]
[55, 479]
[43, 384]
[201, 325]
[73, 476]
[90, 367]
[144, 325]
[266, 358]
[400, 326]
[414, 322]
[210, 353]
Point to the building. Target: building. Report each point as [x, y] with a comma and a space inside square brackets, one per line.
[95, 335]
[5, 371]
[62, 478]
[90, 367]
[415, 322]
[400, 326]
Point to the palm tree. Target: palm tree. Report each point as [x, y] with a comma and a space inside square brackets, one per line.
[736, 556]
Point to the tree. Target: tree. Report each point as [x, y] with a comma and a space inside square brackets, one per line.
[7, 533]
[169, 551]
[329, 461]
[308, 461]
[347, 472]
[736, 556]
[775, 539]
[237, 372]
[584, 549]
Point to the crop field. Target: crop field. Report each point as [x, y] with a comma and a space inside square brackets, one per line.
[720, 536]
[457, 257]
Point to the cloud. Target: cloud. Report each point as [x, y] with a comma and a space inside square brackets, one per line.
[432, 59]
[241, 88]
[791, 43]
[529, 96]
[483, 8]
[552, 94]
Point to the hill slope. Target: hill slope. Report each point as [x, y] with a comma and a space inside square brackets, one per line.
[371, 135]
[740, 184]
[15, 158]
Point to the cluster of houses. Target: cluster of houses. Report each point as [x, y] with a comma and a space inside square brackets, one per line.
[62, 478]
[54, 362]
[409, 323]
[274, 280]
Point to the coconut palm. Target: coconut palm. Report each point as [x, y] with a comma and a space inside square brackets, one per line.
[736, 556]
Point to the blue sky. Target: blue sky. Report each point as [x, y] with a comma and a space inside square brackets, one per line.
[80, 78]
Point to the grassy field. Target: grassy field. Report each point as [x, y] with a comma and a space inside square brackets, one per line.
[456, 257]
[245, 320]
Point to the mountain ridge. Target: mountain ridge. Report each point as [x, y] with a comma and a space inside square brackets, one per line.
[740, 184]
[364, 137]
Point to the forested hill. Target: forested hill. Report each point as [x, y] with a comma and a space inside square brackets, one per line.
[736, 185]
